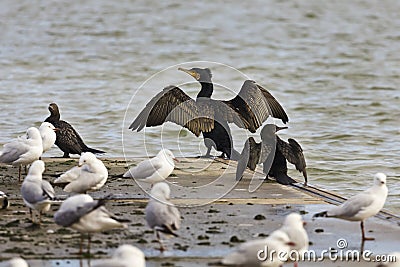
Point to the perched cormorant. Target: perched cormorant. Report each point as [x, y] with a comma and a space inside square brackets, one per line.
[68, 140]
[249, 109]
[275, 150]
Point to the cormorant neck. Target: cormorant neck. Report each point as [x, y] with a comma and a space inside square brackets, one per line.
[206, 89]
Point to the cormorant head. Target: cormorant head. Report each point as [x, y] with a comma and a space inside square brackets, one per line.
[201, 75]
[53, 108]
[269, 130]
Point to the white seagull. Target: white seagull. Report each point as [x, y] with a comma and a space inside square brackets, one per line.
[23, 150]
[82, 213]
[361, 206]
[48, 134]
[124, 256]
[162, 215]
[38, 194]
[153, 170]
[89, 175]
[4, 203]
[256, 253]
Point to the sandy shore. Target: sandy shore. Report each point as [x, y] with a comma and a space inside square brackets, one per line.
[217, 216]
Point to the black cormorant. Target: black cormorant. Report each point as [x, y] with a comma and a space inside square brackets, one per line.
[249, 109]
[275, 150]
[67, 139]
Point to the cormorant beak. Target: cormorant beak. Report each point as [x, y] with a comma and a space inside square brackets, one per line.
[191, 73]
[175, 159]
[280, 128]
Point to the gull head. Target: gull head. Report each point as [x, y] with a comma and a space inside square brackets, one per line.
[37, 168]
[33, 133]
[86, 158]
[380, 179]
[128, 252]
[167, 154]
[294, 220]
[161, 190]
[281, 237]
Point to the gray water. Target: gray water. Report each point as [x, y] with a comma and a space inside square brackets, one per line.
[333, 65]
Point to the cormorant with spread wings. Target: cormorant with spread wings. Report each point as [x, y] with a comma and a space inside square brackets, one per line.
[249, 109]
[273, 153]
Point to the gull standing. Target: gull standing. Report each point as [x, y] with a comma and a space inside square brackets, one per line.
[89, 175]
[38, 194]
[4, 203]
[82, 213]
[293, 226]
[154, 170]
[162, 215]
[23, 150]
[124, 256]
[256, 253]
[48, 134]
[361, 206]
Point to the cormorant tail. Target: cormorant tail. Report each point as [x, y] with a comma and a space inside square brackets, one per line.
[284, 179]
[96, 151]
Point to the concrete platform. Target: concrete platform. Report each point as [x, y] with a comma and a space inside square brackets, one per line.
[218, 214]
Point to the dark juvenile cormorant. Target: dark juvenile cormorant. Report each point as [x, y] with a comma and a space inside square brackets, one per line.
[67, 139]
[273, 152]
[249, 109]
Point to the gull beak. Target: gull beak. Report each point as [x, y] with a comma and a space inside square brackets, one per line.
[191, 73]
[280, 128]
[304, 223]
[56, 129]
[292, 244]
[175, 159]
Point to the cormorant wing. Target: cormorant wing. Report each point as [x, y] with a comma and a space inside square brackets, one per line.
[293, 152]
[276, 108]
[249, 157]
[173, 105]
[254, 104]
[68, 136]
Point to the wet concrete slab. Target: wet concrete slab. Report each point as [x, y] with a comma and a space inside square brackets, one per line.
[218, 214]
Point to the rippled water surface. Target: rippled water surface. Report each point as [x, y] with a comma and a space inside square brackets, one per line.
[334, 66]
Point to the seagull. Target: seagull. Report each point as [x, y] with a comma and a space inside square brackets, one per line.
[273, 153]
[82, 213]
[248, 109]
[68, 140]
[154, 170]
[17, 262]
[23, 150]
[124, 256]
[48, 134]
[393, 262]
[162, 215]
[361, 206]
[4, 203]
[256, 253]
[293, 226]
[38, 194]
[89, 175]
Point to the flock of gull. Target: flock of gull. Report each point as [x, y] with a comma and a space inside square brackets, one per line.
[206, 116]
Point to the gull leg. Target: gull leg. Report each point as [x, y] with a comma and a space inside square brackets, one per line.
[40, 217]
[160, 241]
[364, 238]
[19, 173]
[31, 213]
[88, 248]
[80, 245]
